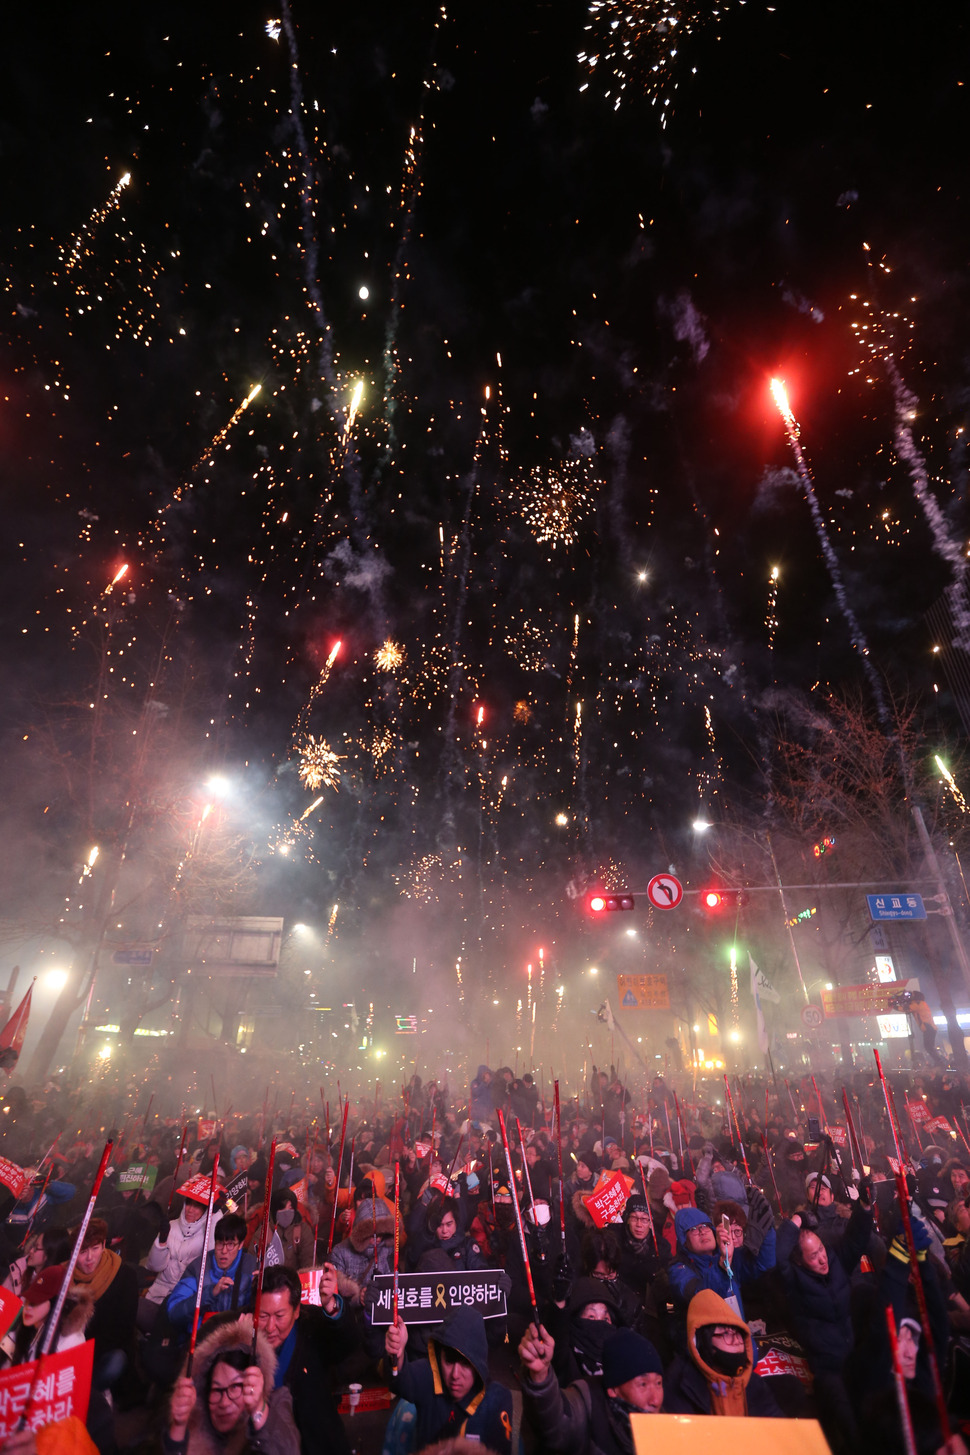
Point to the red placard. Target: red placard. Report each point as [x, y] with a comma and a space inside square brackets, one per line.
[920, 1112]
[207, 1128]
[839, 1135]
[310, 1285]
[10, 1306]
[197, 1189]
[63, 1388]
[606, 1202]
[779, 1361]
[14, 1177]
[939, 1124]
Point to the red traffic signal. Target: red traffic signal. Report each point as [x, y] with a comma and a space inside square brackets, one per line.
[714, 900]
[608, 903]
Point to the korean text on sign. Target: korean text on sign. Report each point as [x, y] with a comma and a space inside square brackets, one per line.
[63, 1388]
[428, 1298]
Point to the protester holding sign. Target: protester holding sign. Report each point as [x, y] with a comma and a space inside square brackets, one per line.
[451, 1388]
[307, 1341]
[176, 1247]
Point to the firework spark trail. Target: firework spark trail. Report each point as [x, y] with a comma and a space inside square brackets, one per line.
[411, 188]
[217, 439]
[946, 547]
[856, 633]
[303, 719]
[79, 244]
[884, 336]
[311, 255]
[952, 784]
[771, 615]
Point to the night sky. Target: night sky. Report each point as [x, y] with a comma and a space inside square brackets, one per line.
[573, 571]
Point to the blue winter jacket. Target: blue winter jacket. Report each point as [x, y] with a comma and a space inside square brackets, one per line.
[180, 1304]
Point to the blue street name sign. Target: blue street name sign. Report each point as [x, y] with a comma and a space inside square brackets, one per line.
[896, 906]
[132, 957]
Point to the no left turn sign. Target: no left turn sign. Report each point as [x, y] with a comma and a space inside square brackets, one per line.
[664, 891]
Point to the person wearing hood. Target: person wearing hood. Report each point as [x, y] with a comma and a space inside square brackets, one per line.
[451, 1389]
[707, 1259]
[718, 1178]
[717, 1376]
[292, 1240]
[229, 1275]
[580, 1327]
[590, 1415]
[230, 1402]
[178, 1244]
[367, 1249]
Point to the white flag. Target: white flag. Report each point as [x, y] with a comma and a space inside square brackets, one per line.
[761, 986]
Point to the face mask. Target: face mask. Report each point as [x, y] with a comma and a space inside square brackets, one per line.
[284, 1217]
[542, 1214]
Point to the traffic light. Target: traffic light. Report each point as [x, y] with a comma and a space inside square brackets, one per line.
[713, 901]
[606, 903]
[825, 846]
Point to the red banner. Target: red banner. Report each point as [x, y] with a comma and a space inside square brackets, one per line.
[14, 1177]
[939, 1124]
[920, 1112]
[63, 1388]
[606, 1202]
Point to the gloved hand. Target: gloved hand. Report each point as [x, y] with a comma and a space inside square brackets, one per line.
[164, 1227]
[865, 1191]
[760, 1221]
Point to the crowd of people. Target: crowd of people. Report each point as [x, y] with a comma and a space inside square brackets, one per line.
[500, 1269]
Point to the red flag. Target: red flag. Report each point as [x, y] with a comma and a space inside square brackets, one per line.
[12, 1035]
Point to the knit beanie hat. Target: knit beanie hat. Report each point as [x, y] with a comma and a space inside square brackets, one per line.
[626, 1355]
[634, 1204]
[587, 1156]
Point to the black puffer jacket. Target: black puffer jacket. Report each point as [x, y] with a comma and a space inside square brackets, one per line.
[820, 1303]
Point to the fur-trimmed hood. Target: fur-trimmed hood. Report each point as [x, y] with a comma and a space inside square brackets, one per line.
[235, 1335]
[76, 1318]
[580, 1212]
[373, 1215]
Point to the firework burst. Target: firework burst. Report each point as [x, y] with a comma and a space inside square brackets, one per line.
[636, 44]
[389, 656]
[318, 765]
[556, 500]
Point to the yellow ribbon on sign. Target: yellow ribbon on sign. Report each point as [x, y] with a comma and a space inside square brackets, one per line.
[507, 1426]
[440, 1300]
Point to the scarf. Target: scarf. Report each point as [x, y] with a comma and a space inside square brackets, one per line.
[98, 1282]
[587, 1337]
[618, 1412]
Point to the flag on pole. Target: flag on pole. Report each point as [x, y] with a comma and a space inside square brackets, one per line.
[12, 1035]
[758, 981]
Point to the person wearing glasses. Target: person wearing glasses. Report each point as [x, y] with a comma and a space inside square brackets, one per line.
[229, 1403]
